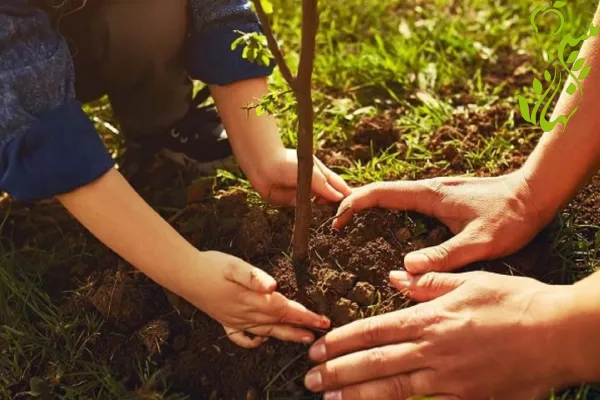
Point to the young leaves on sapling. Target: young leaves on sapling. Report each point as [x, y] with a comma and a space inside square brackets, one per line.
[255, 50]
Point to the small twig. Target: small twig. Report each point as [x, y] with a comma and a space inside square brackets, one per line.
[273, 45]
[334, 218]
[283, 385]
[289, 364]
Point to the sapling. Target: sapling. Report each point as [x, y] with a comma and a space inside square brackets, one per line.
[300, 85]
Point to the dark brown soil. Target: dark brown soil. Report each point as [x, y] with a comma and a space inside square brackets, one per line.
[346, 278]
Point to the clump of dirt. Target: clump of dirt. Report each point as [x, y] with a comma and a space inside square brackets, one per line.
[510, 67]
[125, 299]
[254, 235]
[344, 311]
[363, 293]
[379, 132]
[372, 137]
[339, 282]
[468, 130]
[154, 335]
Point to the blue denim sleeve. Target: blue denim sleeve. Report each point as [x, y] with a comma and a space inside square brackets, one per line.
[48, 145]
[214, 26]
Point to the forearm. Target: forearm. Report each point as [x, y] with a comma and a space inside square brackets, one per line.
[580, 329]
[255, 139]
[113, 212]
[564, 160]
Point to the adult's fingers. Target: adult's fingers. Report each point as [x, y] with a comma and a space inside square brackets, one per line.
[250, 277]
[400, 387]
[426, 287]
[468, 246]
[401, 195]
[376, 363]
[276, 308]
[334, 179]
[242, 339]
[393, 328]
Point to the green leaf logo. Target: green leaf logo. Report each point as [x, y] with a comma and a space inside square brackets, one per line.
[585, 72]
[547, 76]
[573, 57]
[537, 86]
[559, 4]
[579, 64]
[524, 107]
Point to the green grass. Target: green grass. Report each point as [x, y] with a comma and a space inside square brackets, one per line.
[373, 56]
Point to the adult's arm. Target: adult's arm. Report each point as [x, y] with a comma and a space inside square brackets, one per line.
[478, 336]
[493, 217]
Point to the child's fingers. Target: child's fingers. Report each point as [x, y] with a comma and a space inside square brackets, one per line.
[334, 179]
[285, 332]
[282, 197]
[242, 339]
[322, 187]
[277, 308]
[250, 277]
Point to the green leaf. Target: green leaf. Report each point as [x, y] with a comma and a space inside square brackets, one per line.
[585, 72]
[537, 86]
[594, 30]
[559, 4]
[547, 76]
[252, 54]
[578, 64]
[267, 6]
[571, 89]
[573, 56]
[524, 107]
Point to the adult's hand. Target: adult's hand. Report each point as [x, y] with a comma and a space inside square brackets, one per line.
[478, 336]
[491, 217]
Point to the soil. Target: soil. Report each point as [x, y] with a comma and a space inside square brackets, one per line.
[346, 277]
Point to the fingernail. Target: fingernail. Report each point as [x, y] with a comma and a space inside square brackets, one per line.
[400, 277]
[318, 352]
[313, 381]
[337, 395]
[307, 340]
[325, 322]
[416, 262]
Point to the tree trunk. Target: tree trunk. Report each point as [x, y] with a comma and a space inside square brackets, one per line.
[303, 91]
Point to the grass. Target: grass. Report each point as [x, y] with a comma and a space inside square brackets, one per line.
[373, 56]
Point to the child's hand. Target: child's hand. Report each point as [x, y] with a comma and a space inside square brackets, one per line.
[243, 299]
[278, 185]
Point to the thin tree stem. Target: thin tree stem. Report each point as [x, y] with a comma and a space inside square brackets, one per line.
[303, 90]
[273, 45]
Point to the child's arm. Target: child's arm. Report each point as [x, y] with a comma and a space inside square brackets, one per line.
[235, 83]
[48, 148]
[271, 168]
[226, 288]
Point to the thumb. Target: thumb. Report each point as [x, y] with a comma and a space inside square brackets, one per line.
[426, 287]
[458, 251]
[251, 277]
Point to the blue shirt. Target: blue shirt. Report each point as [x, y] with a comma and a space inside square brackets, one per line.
[48, 145]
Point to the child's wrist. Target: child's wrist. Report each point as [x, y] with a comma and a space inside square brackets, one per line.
[266, 166]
